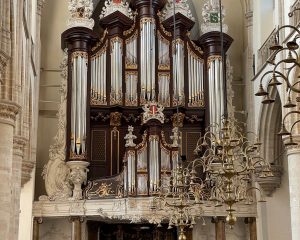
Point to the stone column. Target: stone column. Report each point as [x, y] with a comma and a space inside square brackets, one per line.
[36, 228]
[18, 153]
[294, 187]
[251, 221]
[8, 111]
[76, 227]
[219, 227]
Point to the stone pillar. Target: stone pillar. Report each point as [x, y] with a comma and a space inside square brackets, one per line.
[76, 227]
[294, 187]
[18, 153]
[251, 221]
[8, 111]
[36, 228]
[219, 227]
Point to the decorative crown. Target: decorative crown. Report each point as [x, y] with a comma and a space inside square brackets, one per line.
[181, 6]
[112, 6]
[81, 12]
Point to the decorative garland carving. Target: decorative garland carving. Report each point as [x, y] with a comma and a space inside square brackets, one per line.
[55, 172]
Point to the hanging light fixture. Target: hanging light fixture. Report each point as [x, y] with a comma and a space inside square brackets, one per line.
[178, 199]
[290, 64]
[229, 159]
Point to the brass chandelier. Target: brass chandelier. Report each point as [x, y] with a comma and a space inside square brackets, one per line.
[229, 161]
[221, 174]
[180, 198]
[277, 76]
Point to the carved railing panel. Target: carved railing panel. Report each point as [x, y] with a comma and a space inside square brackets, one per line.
[295, 19]
[264, 53]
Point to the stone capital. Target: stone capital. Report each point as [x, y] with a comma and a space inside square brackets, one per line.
[8, 112]
[27, 167]
[19, 143]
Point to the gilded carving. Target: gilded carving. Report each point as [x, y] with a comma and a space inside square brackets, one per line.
[115, 119]
[104, 190]
[177, 119]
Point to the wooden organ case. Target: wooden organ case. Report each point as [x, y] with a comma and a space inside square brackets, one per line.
[134, 68]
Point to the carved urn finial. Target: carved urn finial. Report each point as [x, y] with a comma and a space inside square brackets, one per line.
[78, 176]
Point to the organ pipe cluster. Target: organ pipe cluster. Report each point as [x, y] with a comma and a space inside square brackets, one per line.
[78, 105]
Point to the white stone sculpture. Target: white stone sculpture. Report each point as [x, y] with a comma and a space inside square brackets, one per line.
[81, 12]
[111, 6]
[56, 172]
[211, 17]
[175, 137]
[78, 176]
[181, 6]
[129, 137]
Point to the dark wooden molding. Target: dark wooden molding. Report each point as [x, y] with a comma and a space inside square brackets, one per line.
[78, 39]
[211, 43]
[143, 7]
[182, 25]
[116, 23]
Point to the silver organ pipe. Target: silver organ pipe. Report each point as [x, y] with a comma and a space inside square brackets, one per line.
[131, 172]
[178, 72]
[154, 162]
[116, 70]
[78, 104]
[163, 82]
[216, 89]
[196, 78]
[147, 60]
[131, 88]
[131, 52]
[98, 77]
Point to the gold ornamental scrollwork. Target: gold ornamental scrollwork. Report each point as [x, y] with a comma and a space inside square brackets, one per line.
[80, 54]
[213, 58]
[177, 119]
[101, 51]
[114, 40]
[197, 48]
[104, 190]
[130, 30]
[101, 40]
[146, 20]
[194, 55]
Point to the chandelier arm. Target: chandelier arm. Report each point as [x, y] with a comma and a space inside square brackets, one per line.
[294, 125]
[284, 77]
[289, 113]
[286, 26]
[289, 89]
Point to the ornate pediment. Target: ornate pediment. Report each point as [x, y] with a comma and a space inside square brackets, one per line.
[112, 6]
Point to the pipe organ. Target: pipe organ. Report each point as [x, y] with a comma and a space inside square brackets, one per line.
[142, 65]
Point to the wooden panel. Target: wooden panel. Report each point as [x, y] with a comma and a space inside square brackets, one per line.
[191, 139]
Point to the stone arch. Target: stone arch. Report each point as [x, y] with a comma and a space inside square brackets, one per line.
[272, 147]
